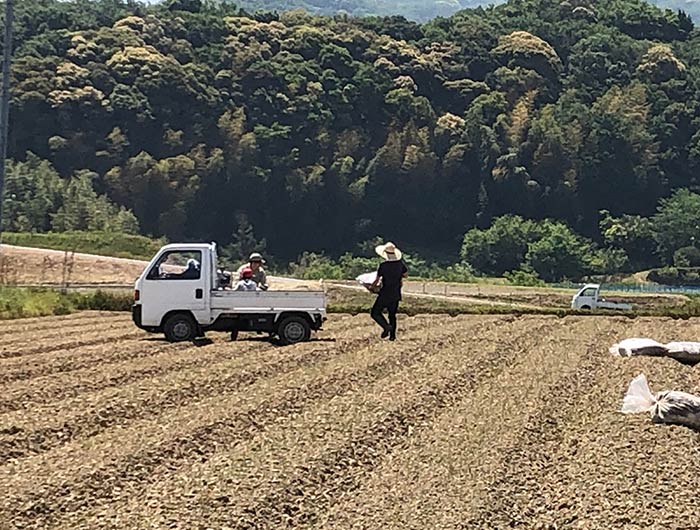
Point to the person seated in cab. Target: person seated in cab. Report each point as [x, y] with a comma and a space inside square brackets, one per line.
[191, 272]
[246, 283]
[255, 263]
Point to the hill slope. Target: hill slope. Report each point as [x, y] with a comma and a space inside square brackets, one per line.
[419, 10]
[323, 134]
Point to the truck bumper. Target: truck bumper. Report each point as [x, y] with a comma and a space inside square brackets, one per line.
[136, 315]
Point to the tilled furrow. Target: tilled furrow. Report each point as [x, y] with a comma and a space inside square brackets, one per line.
[62, 361]
[17, 442]
[120, 332]
[99, 356]
[530, 454]
[439, 477]
[303, 500]
[590, 466]
[34, 324]
[255, 468]
[136, 469]
[18, 338]
[158, 361]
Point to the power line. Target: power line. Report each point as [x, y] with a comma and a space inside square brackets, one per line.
[5, 98]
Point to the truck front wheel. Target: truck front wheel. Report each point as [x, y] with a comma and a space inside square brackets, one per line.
[294, 329]
[180, 327]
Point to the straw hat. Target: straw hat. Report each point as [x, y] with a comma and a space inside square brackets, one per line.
[388, 251]
[256, 256]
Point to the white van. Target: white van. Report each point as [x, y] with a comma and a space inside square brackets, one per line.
[178, 294]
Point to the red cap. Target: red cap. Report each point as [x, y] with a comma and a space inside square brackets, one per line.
[247, 272]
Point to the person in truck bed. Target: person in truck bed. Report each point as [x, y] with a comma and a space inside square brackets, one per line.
[246, 283]
[255, 263]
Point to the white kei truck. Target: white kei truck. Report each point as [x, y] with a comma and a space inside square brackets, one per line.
[181, 295]
[588, 297]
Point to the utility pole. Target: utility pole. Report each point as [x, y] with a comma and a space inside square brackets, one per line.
[5, 98]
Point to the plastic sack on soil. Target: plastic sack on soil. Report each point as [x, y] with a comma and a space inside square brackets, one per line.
[634, 347]
[669, 407]
[684, 352]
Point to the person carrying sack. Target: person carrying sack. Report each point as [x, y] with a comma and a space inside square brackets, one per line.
[390, 275]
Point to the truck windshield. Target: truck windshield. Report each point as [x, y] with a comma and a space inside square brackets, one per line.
[177, 265]
[589, 292]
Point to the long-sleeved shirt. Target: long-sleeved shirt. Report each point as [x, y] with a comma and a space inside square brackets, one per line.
[246, 285]
[259, 276]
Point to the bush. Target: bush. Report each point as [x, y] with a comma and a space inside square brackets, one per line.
[676, 276]
[104, 301]
[353, 266]
[313, 266]
[457, 273]
[687, 257]
[524, 277]
[18, 302]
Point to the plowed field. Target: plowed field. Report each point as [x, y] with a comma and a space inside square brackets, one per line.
[468, 422]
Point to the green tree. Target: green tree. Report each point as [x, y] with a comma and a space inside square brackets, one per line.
[500, 248]
[559, 253]
[634, 235]
[243, 241]
[677, 223]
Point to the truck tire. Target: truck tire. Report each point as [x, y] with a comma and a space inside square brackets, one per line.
[180, 327]
[294, 329]
[585, 307]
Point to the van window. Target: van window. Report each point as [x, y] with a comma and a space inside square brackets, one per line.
[177, 265]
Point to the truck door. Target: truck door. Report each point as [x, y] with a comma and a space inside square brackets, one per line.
[587, 298]
[177, 281]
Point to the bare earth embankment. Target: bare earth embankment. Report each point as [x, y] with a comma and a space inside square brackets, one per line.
[38, 266]
[466, 422]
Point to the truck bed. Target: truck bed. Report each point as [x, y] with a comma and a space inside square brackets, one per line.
[253, 301]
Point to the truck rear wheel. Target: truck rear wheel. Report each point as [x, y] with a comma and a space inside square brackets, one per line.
[294, 329]
[180, 327]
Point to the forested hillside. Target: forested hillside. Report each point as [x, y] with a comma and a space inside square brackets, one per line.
[419, 10]
[323, 133]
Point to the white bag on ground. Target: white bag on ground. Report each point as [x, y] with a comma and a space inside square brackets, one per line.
[669, 407]
[637, 346]
[684, 352]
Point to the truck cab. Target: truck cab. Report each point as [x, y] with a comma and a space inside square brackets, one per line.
[588, 297]
[179, 294]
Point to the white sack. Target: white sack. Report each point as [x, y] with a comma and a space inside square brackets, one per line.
[684, 352]
[668, 407]
[367, 278]
[637, 346]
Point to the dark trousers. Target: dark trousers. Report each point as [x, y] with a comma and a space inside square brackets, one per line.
[378, 316]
